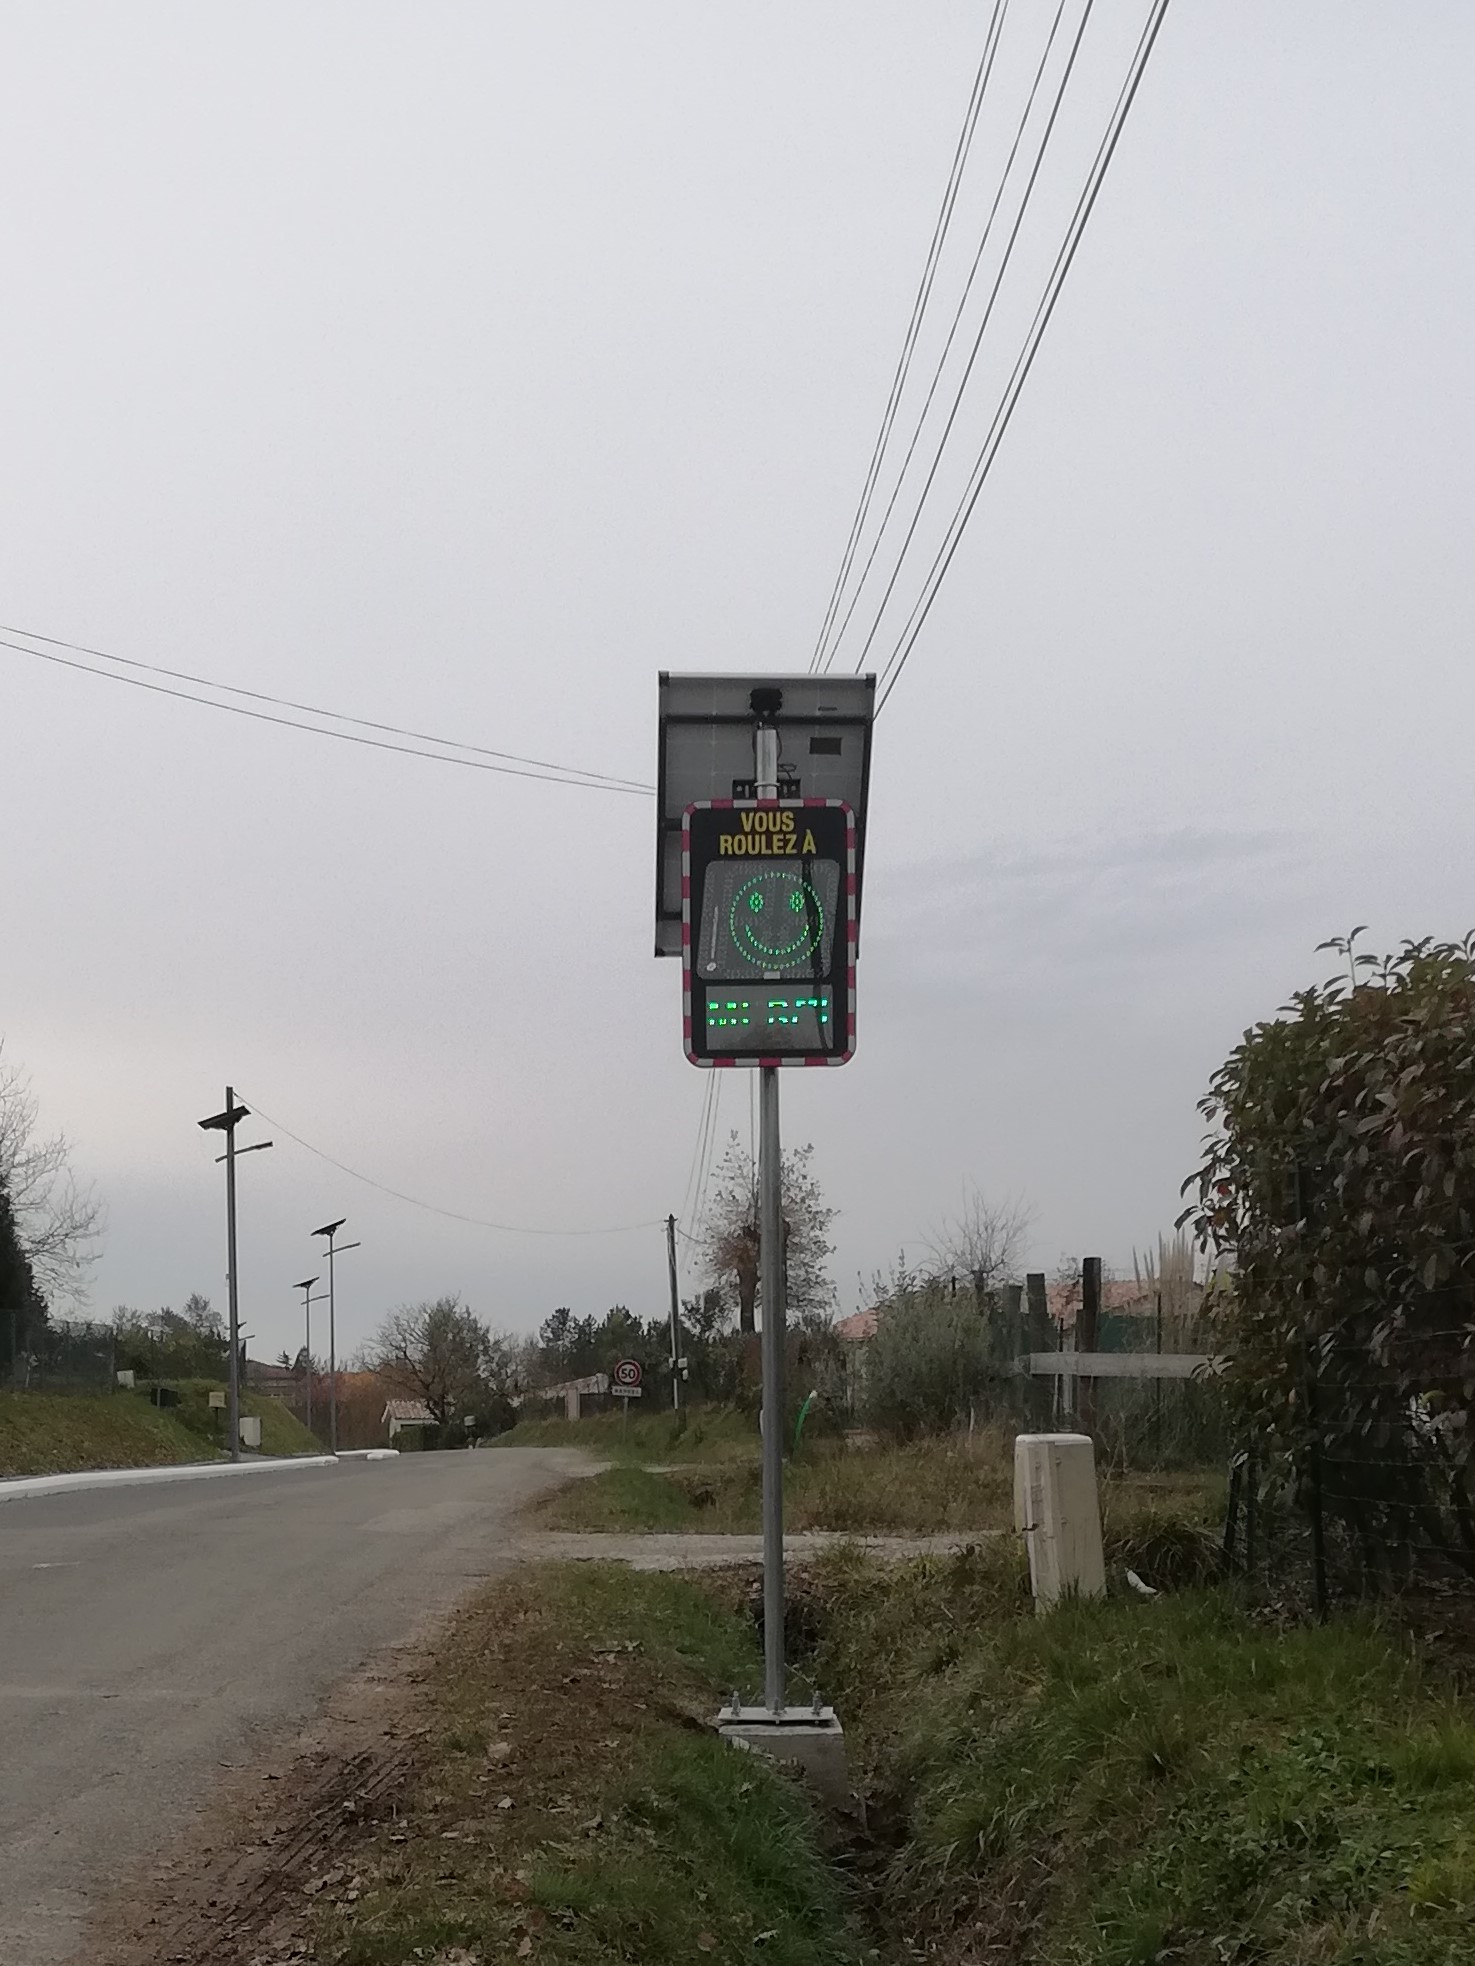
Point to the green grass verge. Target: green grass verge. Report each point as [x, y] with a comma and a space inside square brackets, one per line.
[696, 1434]
[573, 1806]
[69, 1433]
[64, 1433]
[1133, 1783]
[281, 1432]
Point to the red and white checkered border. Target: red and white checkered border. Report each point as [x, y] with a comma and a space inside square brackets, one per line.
[851, 926]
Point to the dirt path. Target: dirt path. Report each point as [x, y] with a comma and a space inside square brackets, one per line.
[239, 1887]
[683, 1552]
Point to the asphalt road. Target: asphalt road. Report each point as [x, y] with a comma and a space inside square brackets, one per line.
[150, 1635]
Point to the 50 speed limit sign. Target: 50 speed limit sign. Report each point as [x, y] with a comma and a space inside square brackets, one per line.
[625, 1379]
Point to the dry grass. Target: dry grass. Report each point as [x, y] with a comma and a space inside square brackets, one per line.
[927, 1487]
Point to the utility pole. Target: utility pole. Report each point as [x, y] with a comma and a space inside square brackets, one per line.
[226, 1122]
[308, 1300]
[675, 1314]
[766, 704]
[330, 1229]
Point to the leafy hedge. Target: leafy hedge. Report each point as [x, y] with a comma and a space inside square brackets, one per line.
[1340, 1177]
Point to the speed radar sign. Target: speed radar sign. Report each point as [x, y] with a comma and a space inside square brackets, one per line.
[768, 930]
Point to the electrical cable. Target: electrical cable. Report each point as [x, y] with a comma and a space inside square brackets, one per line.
[985, 236]
[509, 764]
[432, 1208]
[1008, 254]
[699, 1200]
[686, 1192]
[897, 661]
[819, 660]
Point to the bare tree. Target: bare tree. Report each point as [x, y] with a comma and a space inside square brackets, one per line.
[58, 1222]
[730, 1238]
[983, 1242]
[443, 1354]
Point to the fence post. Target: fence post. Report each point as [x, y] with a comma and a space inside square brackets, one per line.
[1088, 1339]
[1231, 1511]
[1318, 1524]
[1038, 1338]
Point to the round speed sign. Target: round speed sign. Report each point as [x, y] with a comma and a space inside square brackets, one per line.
[627, 1373]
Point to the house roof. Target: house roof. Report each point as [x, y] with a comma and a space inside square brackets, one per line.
[259, 1373]
[409, 1412]
[596, 1382]
[1124, 1295]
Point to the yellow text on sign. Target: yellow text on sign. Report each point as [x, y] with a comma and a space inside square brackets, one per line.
[768, 835]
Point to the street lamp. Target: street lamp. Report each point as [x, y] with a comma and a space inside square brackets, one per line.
[308, 1300]
[226, 1123]
[330, 1229]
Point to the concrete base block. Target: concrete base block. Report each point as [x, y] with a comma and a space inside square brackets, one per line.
[813, 1740]
[1058, 1512]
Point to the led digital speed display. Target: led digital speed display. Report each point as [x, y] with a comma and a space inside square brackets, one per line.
[775, 1021]
[768, 917]
[777, 922]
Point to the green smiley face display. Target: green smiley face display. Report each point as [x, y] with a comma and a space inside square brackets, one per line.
[776, 920]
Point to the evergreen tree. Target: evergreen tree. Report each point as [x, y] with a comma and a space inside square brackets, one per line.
[22, 1307]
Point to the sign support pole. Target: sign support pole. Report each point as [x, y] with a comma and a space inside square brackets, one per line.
[771, 1286]
[233, 1379]
[675, 1314]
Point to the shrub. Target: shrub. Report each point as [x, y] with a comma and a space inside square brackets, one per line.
[927, 1369]
[1341, 1178]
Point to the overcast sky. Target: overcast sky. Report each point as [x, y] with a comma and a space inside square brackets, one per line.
[460, 366]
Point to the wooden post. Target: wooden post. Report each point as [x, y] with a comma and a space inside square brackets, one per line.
[1011, 1341]
[1088, 1332]
[1039, 1338]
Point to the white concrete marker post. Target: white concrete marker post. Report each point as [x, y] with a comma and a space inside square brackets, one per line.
[1058, 1511]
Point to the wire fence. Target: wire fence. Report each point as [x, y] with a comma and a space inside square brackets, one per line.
[55, 1357]
[1374, 1496]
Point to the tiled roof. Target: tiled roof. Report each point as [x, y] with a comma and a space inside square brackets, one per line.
[856, 1328]
[409, 1410]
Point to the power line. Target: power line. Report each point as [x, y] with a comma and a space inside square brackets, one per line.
[431, 1208]
[957, 320]
[507, 763]
[696, 1151]
[820, 660]
[1008, 254]
[704, 1176]
[897, 661]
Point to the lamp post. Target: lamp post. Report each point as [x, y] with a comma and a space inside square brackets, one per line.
[330, 1229]
[226, 1123]
[308, 1300]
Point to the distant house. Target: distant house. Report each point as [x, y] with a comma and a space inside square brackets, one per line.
[279, 1381]
[855, 1333]
[573, 1393]
[1128, 1309]
[401, 1414]
[857, 1328]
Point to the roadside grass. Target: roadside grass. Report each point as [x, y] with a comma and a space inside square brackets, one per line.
[573, 1806]
[696, 1434]
[919, 1488]
[69, 1433]
[282, 1433]
[64, 1433]
[1132, 1782]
